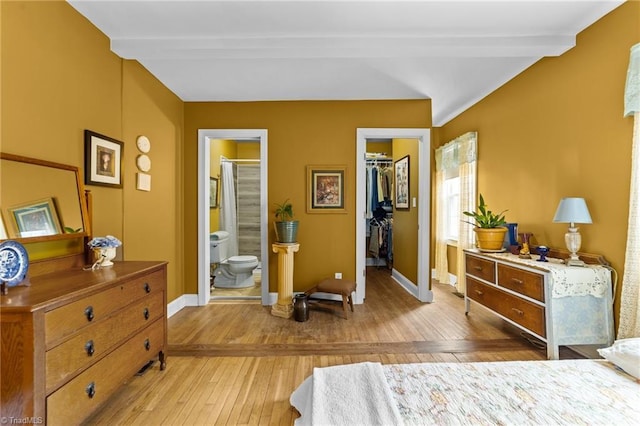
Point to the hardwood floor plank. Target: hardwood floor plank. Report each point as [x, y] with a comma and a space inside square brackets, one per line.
[233, 363]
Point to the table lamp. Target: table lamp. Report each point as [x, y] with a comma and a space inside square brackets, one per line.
[572, 210]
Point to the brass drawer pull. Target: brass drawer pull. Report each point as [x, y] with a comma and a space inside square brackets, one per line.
[146, 313]
[90, 390]
[477, 268]
[88, 312]
[516, 281]
[89, 348]
[147, 344]
[479, 293]
[518, 311]
[147, 287]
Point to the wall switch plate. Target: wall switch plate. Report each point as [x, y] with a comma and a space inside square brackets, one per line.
[338, 275]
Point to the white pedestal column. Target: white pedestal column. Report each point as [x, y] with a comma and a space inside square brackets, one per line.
[284, 307]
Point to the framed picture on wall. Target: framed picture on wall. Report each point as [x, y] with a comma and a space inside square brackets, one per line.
[325, 189]
[102, 160]
[213, 192]
[401, 181]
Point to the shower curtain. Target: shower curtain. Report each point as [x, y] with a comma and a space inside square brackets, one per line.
[228, 214]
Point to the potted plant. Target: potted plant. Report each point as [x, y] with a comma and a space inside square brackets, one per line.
[489, 227]
[286, 228]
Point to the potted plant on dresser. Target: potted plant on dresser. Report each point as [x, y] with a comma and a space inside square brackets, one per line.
[286, 228]
[489, 227]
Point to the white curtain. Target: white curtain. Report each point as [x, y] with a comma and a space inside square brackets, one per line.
[228, 213]
[457, 158]
[630, 294]
[442, 264]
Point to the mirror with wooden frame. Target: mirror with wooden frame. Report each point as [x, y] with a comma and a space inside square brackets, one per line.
[41, 200]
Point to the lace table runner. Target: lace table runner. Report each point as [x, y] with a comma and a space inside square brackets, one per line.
[590, 280]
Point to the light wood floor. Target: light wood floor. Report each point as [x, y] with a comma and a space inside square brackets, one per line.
[236, 364]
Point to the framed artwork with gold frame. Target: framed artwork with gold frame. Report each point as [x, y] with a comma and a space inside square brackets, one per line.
[326, 189]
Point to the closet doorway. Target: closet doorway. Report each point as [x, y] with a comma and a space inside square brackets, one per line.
[416, 280]
[205, 138]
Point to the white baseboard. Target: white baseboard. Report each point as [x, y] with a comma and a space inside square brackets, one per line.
[176, 305]
[410, 287]
[453, 279]
[405, 283]
[372, 261]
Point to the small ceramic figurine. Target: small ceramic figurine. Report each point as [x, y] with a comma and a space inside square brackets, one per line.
[524, 251]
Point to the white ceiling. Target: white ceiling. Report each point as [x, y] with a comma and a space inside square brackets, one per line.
[453, 52]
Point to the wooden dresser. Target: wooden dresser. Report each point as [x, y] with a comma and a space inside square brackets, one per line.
[523, 294]
[73, 337]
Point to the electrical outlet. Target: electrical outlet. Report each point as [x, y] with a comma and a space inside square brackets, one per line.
[338, 275]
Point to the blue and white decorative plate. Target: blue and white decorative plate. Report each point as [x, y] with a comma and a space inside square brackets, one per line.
[14, 263]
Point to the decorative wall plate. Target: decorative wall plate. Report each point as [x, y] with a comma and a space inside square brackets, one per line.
[143, 144]
[143, 162]
[14, 263]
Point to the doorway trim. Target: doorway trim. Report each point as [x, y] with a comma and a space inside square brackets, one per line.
[204, 171]
[422, 291]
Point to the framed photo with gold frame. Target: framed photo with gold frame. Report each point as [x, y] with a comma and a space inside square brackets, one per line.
[102, 160]
[326, 189]
[35, 219]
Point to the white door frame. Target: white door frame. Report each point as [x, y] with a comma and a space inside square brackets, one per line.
[421, 292]
[204, 171]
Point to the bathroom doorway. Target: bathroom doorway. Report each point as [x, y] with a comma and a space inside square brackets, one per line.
[243, 156]
[417, 206]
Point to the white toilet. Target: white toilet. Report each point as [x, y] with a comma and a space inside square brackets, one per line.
[232, 272]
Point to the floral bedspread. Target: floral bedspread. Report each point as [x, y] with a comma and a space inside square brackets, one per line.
[568, 392]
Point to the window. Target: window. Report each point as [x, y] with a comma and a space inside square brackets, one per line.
[452, 196]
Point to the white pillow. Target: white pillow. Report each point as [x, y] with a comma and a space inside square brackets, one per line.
[625, 353]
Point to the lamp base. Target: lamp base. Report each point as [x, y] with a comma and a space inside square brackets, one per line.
[574, 262]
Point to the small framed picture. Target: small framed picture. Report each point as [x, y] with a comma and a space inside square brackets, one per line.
[102, 160]
[36, 219]
[213, 192]
[401, 177]
[326, 189]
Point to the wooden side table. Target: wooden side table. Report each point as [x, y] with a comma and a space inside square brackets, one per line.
[284, 306]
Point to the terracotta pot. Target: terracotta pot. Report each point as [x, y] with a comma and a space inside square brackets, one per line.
[490, 238]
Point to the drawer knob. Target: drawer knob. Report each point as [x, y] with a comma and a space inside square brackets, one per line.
[477, 268]
[90, 390]
[147, 344]
[147, 287]
[88, 312]
[517, 311]
[89, 347]
[479, 293]
[146, 313]
[516, 281]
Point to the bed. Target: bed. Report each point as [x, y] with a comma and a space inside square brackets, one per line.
[566, 392]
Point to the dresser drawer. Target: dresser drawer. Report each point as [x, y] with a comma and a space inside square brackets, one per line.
[94, 342]
[520, 311]
[481, 268]
[81, 396]
[68, 319]
[527, 283]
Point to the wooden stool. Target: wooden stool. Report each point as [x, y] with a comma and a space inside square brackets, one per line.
[334, 286]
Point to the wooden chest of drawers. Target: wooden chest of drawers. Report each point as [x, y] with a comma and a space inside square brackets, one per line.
[73, 337]
[522, 296]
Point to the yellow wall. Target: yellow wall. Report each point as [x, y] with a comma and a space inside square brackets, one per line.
[59, 78]
[405, 221]
[557, 130]
[228, 149]
[300, 133]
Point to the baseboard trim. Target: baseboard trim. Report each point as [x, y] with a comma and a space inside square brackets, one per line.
[453, 279]
[176, 305]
